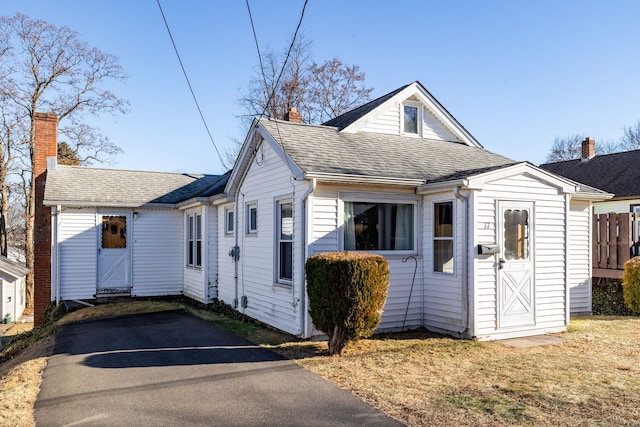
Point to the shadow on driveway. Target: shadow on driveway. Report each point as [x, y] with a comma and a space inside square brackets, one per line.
[171, 368]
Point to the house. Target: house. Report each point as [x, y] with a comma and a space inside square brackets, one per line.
[479, 246]
[615, 173]
[12, 289]
[616, 223]
[123, 232]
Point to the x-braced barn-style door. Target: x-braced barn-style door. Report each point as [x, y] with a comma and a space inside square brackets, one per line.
[516, 285]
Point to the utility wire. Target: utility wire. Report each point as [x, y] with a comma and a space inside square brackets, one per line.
[175, 48]
[284, 64]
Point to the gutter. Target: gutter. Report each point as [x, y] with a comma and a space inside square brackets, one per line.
[361, 179]
[465, 262]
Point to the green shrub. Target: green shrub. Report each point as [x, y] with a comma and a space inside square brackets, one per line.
[631, 284]
[608, 300]
[347, 291]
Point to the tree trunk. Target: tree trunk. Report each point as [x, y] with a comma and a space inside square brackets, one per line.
[29, 219]
[336, 342]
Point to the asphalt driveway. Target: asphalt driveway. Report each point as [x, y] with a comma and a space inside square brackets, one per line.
[171, 368]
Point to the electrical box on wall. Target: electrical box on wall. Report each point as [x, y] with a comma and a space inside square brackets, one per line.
[488, 249]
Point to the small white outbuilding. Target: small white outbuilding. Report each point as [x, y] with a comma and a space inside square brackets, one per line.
[12, 289]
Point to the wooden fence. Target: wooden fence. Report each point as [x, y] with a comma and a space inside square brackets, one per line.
[616, 239]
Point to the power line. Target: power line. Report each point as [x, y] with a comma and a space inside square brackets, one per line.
[175, 48]
[286, 59]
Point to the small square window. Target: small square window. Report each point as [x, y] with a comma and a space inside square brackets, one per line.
[252, 218]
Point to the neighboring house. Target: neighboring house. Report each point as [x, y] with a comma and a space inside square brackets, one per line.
[12, 289]
[478, 245]
[615, 173]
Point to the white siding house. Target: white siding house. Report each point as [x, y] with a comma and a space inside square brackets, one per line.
[479, 246]
[12, 289]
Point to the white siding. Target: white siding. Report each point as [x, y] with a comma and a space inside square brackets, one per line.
[580, 257]
[194, 277]
[388, 122]
[549, 254]
[211, 254]
[325, 239]
[12, 295]
[267, 180]
[225, 265]
[617, 206]
[443, 303]
[78, 251]
[158, 253]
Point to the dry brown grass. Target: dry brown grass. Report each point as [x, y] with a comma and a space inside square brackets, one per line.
[424, 379]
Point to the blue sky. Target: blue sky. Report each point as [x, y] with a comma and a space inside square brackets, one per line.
[515, 73]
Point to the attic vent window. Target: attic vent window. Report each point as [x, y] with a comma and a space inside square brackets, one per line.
[411, 119]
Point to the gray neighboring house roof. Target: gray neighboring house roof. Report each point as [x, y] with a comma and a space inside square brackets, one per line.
[326, 150]
[12, 268]
[78, 185]
[616, 173]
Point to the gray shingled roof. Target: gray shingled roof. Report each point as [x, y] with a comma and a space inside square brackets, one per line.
[95, 186]
[616, 173]
[322, 149]
[13, 268]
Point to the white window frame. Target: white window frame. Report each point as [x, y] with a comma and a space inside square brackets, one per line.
[249, 229]
[419, 113]
[447, 238]
[278, 240]
[229, 223]
[380, 198]
[194, 239]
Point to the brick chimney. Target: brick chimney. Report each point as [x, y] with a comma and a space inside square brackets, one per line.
[588, 149]
[293, 116]
[45, 145]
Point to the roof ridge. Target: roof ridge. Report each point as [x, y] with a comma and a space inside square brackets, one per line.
[135, 170]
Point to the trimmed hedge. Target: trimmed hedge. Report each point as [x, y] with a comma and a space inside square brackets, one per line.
[347, 291]
[608, 300]
[631, 284]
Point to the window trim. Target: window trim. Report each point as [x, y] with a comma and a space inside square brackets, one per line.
[277, 258]
[452, 238]
[633, 206]
[249, 231]
[406, 199]
[418, 107]
[194, 240]
[229, 223]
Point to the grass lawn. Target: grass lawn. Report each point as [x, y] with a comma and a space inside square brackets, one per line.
[593, 378]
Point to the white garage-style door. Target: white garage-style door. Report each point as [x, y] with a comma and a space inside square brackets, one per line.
[114, 254]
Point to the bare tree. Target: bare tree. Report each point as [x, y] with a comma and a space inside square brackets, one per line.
[335, 88]
[54, 71]
[319, 92]
[630, 137]
[570, 148]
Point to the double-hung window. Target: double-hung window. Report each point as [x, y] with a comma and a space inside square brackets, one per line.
[372, 226]
[194, 240]
[285, 241]
[443, 237]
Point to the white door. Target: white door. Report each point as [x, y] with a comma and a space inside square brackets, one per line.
[516, 285]
[113, 254]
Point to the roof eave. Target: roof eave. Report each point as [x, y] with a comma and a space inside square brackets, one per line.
[362, 179]
[84, 204]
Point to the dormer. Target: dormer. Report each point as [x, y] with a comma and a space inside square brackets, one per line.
[408, 111]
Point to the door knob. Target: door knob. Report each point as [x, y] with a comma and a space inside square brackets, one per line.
[501, 263]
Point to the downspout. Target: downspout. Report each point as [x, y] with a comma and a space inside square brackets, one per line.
[236, 248]
[55, 213]
[305, 239]
[465, 262]
[567, 290]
